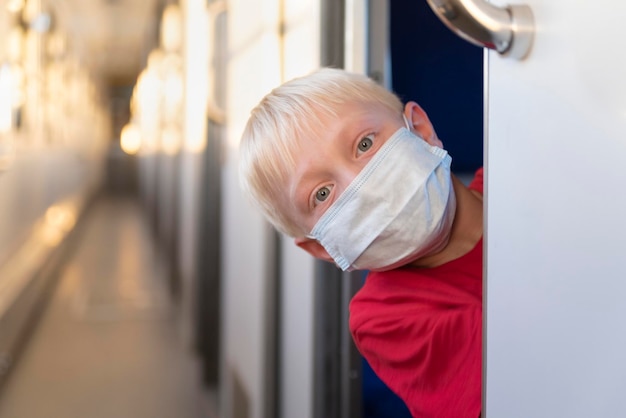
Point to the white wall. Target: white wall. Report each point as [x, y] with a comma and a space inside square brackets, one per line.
[254, 68]
[36, 179]
[43, 189]
[58, 148]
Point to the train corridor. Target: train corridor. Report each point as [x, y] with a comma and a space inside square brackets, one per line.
[111, 342]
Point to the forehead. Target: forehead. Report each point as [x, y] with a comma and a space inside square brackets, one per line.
[329, 121]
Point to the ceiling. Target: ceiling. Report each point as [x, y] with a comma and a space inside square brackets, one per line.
[111, 37]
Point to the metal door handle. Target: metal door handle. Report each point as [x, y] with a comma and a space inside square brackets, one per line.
[508, 30]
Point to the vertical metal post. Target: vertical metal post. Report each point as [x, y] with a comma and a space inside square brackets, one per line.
[351, 388]
[273, 297]
[337, 369]
[209, 286]
[327, 281]
[272, 326]
[327, 341]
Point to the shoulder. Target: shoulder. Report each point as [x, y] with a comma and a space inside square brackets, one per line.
[389, 293]
[422, 338]
[401, 293]
[477, 183]
[414, 301]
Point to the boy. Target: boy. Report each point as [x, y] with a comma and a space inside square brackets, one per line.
[335, 161]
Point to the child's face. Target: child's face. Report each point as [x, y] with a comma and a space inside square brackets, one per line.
[332, 156]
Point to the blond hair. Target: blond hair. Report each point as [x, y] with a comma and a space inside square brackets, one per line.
[290, 111]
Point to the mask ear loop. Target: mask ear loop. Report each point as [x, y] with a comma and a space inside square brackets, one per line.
[406, 122]
[408, 127]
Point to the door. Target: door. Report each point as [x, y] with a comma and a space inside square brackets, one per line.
[555, 343]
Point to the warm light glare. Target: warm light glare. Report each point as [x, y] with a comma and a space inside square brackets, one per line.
[169, 102]
[56, 44]
[173, 91]
[130, 140]
[7, 153]
[18, 85]
[170, 140]
[7, 88]
[61, 217]
[15, 44]
[171, 32]
[146, 104]
[57, 222]
[196, 77]
[15, 6]
[148, 88]
[155, 58]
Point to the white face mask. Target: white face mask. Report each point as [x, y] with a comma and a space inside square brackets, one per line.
[399, 208]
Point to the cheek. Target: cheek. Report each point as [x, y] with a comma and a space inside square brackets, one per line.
[302, 221]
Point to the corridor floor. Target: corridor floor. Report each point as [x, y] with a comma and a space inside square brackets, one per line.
[110, 343]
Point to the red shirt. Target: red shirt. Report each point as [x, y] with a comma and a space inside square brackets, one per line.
[421, 332]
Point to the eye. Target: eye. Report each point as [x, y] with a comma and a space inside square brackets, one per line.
[322, 194]
[365, 144]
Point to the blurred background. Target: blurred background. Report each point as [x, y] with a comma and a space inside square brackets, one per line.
[135, 279]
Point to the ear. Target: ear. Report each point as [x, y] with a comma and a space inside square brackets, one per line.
[313, 247]
[420, 124]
